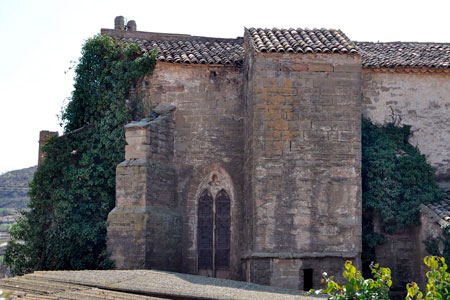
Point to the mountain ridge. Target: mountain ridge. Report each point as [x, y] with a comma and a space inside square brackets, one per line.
[14, 187]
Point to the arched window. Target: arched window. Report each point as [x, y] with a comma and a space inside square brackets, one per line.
[222, 232]
[213, 232]
[205, 231]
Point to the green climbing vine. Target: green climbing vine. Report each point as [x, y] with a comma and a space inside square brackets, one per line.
[73, 190]
[396, 179]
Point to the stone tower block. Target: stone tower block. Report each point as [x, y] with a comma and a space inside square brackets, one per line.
[303, 166]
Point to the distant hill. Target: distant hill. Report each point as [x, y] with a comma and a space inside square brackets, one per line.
[14, 188]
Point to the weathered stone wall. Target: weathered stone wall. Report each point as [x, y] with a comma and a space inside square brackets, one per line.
[290, 272]
[420, 100]
[400, 254]
[144, 229]
[248, 151]
[303, 156]
[404, 251]
[150, 140]
[208, 137]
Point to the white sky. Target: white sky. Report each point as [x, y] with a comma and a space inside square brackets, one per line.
[39, 39]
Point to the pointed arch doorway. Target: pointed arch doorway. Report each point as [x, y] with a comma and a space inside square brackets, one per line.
[214, 230]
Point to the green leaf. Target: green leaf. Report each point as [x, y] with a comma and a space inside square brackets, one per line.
[73, 190]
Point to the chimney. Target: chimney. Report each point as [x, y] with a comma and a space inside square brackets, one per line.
[119, 23]
[44, 136]
[131, 25]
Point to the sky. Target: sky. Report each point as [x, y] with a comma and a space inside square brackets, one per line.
[41, 42]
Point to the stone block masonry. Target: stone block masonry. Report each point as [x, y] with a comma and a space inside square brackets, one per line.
[282, 136]
[144, 229]
[293, 273]
[397, 254]
[304, 163]
[208, 138]
[150, 140]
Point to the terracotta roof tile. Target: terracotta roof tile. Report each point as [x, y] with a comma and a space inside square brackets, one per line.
[404, 55]
[301, 40]
[188, 49]
[194, 50]
[441, 209]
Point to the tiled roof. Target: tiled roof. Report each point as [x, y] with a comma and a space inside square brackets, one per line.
[404, 55]
[194, 50]
[301, 40]
[439, 211]
[189, 49]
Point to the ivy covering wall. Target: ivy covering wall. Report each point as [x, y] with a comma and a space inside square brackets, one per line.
[73, 190]
[396, 179]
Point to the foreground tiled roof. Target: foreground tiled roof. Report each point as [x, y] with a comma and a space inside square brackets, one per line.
[440, 211]
[194, 51]
[301, 40]
[404, 55]
[138, 284]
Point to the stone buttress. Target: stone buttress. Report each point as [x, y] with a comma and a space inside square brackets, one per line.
[144, 229]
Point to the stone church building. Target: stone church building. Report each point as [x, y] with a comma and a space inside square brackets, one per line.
[252, 169]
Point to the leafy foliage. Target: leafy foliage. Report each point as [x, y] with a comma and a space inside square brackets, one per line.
[396, 179]
[438, 286]
[357, 287]
[73, 190]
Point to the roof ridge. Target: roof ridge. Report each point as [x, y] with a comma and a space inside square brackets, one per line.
[285, 28]
[161, 35]
[402, 42]
[185, 48]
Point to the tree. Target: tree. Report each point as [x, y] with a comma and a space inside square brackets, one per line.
[73, 190]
